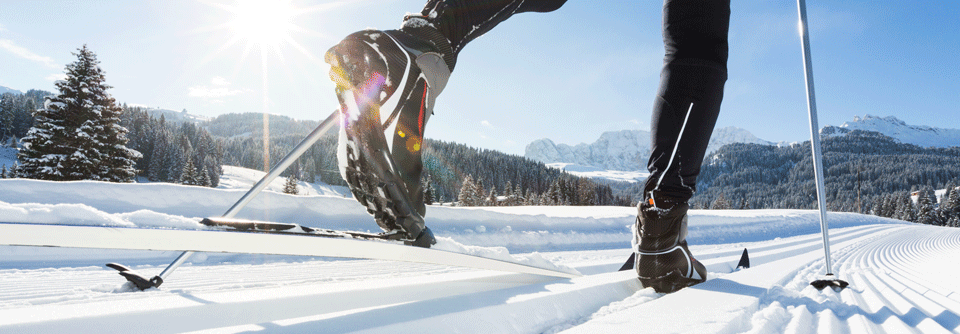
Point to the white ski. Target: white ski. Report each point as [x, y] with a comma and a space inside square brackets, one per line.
[104, 237]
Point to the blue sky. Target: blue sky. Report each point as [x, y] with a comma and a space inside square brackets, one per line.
[590, 67]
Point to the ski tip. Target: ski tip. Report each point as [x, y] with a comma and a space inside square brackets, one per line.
[744, 261]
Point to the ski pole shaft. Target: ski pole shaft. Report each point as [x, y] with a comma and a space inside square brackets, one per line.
[283, 164]
[814, 133]
[274, 172]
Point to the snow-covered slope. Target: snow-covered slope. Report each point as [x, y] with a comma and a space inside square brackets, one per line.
[4, 90]
[731, 134]
[920, 135]
[172, 115]
[597, 173]
[899, 282]
[244, 178]
[8, 156]
[626, 150]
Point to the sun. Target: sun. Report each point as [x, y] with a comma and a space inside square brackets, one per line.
[262, 23]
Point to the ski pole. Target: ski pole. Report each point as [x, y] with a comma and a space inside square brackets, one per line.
[262, 184]
[815, 146]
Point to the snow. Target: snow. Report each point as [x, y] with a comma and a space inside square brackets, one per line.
[244, 178]
[4, 90]
[596, 173]
[920, 135]
[901, 275]
[171, 115]
[8, 156]
[625, 150]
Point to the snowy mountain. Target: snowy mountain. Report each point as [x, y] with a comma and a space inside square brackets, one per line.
[625, 150]
[898, 281]
[172, 115]
[732, 134]
[920, 135]
[4, 90]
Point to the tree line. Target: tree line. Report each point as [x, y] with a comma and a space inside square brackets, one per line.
[477, 177]
[16, 114]
[183, 153]
[864, 171]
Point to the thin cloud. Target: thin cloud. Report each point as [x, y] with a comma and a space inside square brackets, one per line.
[22, 52]
[486, 124]
[218, 89]
[56, 77]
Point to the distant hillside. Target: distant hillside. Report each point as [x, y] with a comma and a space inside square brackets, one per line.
[782, 177]
[250, 124]
[447, 164]
[4, 90]
[171, 115]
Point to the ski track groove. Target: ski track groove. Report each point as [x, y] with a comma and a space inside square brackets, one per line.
[85, 283]
[895, 300]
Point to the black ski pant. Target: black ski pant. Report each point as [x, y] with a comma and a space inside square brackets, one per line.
[691, 83]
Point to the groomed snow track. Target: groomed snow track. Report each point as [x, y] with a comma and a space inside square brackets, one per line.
[899, 285]
[892, 270]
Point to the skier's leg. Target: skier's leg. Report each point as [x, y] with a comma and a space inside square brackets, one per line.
[387, 83]
[461, 21]
[684, 114]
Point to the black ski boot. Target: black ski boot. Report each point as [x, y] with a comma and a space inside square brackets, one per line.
[663, 260]
[387, 83]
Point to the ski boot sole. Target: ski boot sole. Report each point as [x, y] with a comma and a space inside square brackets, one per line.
[369, 169]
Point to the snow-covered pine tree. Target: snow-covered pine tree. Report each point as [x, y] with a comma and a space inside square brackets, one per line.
[6, 115]
[428, 191]
[180, 152]
[3, 172]
[203, 178]
[720, 203]
[491, 199]
[508, 196]
[954, 221]
[479, 192]
[77, 135]
[213, 171]
[520, 199]
[188, 175]
[429, 194]
[906, 211]
[947, 204]
[290, 187]
[880, 206]
[553, 194]
[953, 203]
[926, 207]
[157, 170]
[467, 194]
